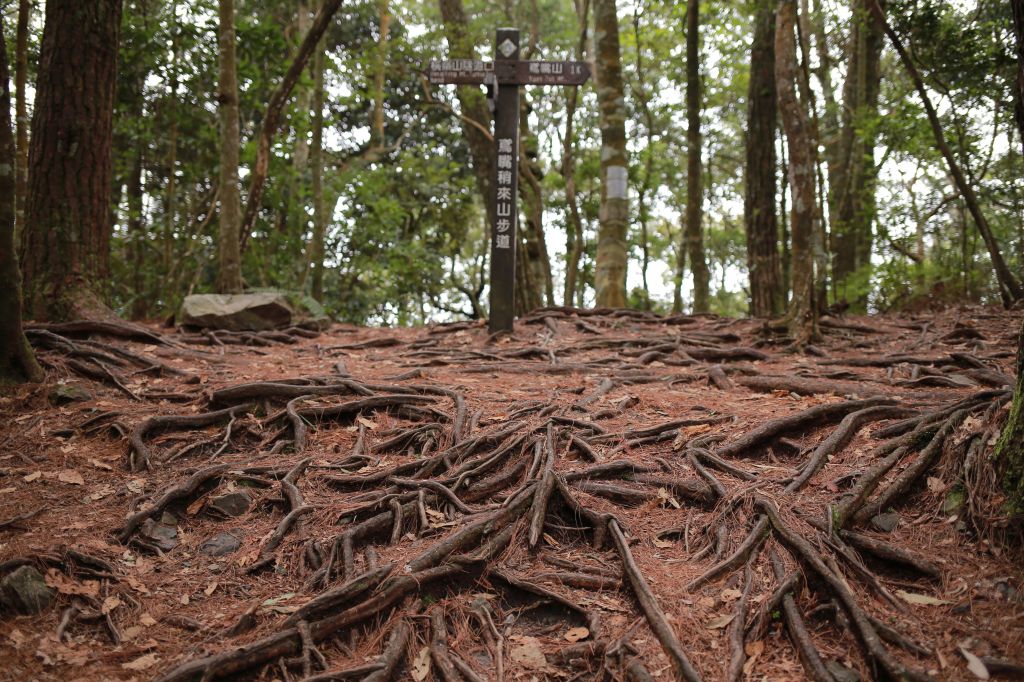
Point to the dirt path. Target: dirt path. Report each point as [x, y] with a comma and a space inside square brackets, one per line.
[603, 496]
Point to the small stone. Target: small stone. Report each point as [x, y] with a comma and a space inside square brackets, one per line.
[25, 591]
[231, 504]
[220, 544]
[61, 394]
[953, 501]
[841, 673]
[168, 519]
[163, 536]
[886, 522]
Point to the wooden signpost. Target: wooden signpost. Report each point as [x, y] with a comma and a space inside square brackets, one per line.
[503, 78]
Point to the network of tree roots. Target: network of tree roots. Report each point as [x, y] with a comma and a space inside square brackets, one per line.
[602, 496]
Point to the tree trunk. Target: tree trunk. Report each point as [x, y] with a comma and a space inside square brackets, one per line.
[1009, 452]
[67, 214]
[694, 234]
[136, 231]
[316, 246]
[272, 116]
[17, 363]
[1018, 94]
[21, 114]
[1009, 288]
[852, 200]
[229, 279]
[759, 215]
[802, 316]
[380, 71]
[472, 102]
[612, 250]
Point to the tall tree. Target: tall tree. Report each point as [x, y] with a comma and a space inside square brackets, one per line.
[316, 160]
[21, 115]
[1009, 287]
[694, 234]
[612, 252]
[759, 218]
[229, 274]
[853, 174]
[67, 215]
[17, 363]
[802, 315]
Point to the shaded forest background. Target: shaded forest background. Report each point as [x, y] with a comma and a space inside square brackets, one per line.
[371, 204]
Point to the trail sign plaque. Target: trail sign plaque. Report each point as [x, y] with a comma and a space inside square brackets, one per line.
[503, 78]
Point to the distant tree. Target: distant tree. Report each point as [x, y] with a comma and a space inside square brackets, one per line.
[759, 215]
[802, 316]
[67, 216]
[229, 251]
[17, 363]
[612, 253]
[693, 235]
[21, 114]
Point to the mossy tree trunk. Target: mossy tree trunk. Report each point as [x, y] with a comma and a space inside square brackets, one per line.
[16, 360]
[1009, 453]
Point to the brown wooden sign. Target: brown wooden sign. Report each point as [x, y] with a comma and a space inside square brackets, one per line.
[504, 76]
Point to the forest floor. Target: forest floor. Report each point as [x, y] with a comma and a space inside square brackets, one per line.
[599, 496]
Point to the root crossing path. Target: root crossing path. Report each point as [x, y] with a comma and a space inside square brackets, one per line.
[604, 495]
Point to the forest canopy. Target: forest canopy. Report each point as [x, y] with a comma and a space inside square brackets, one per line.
[372, 206]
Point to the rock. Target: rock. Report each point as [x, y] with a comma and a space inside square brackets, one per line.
[236, 312]
[309, 314]
[953, 502]
[841, 673]
[886, 522]
[231, 504]
[61, 394]
[25, 591]
[220, 544]
[163, 536]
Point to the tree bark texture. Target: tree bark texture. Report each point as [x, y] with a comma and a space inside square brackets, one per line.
[1017, 7]
[612, 250]
[229, 276]
[21, 116]
[854, 175]
[574, 224]
[759, 217]
[694, 234]
[802, 313]
[1009, 287]
[1009, 453]
[17, 363]
[66, 240]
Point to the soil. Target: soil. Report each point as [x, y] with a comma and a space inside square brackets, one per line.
[602, 495]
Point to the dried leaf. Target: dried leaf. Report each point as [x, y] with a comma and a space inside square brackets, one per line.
[65, 585]
[527, 653]
[366, 422]
[147, 620]
[920, 599]
[421, 665]
[210, 588]
[935, 484]
[731, 595]
[975, 665]
[663, 544]
[34, 476]
[576, 634]
[753, 650]
[721, 621]
[70, 476]
[141, 663]
[110, 603]
[100, 465]
[136, 584]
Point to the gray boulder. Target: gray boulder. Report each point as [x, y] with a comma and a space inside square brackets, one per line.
[25, 591]
[236, 312]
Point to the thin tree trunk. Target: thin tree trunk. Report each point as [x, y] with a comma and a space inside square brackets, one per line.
[136, 231]
[575, 237]
[67, 213]
[612, 250]
[1017, 7]
[759, 215]
[17, 362]
[272, 116]
[1009, 288]
[229, 280]
[380, 71]
[477, 118]
[316, 246]
[801, 318]
[643, 96]
[694, 234]
[21, 114]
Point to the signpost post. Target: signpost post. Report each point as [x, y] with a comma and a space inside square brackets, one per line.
[503, 77]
